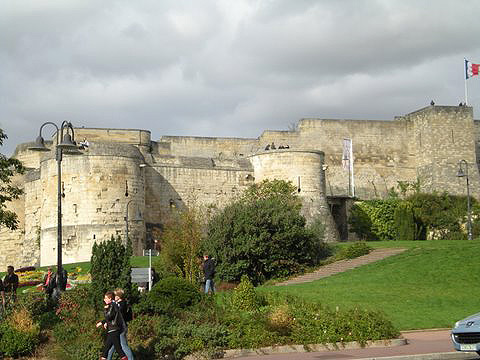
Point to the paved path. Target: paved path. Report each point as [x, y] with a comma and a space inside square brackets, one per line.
[422, 345]
[343, 265]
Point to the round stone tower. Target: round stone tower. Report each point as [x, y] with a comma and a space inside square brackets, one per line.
[304, 168]
[97, 186]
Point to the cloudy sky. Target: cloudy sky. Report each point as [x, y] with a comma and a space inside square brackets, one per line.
[228, 68]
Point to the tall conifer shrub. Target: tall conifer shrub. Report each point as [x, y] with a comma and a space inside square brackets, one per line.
[110, 267]
[405, 222]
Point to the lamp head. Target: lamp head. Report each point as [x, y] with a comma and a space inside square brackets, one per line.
[460, 172]
[39, 145]
[67, 143]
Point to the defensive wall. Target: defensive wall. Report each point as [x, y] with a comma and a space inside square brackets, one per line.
[125, 171]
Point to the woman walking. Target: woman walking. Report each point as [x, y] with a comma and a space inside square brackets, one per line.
[126, 312]
[113, 323]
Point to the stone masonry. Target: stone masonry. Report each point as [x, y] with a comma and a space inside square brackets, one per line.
[124, 170]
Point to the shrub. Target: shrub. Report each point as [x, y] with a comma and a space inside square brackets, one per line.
[181, 245]
[16, 343]
[19, 335]
[281, 320]
[361, 223]
[204, 338]
[441, 216]
[405, 222]
[75, 336]
[244, 296]
[262, 235]
[168, 296]
[249, 330]
[110, 268]
[315, 323]
[143, 332]
[354, 250]
[36, 304]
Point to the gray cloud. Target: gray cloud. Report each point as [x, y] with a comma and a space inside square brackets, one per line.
[223, 68]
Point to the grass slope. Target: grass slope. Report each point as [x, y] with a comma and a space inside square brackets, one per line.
[432, 284]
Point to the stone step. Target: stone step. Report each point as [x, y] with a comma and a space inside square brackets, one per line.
[343, 265]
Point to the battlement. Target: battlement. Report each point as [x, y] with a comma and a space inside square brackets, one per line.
[124, 166]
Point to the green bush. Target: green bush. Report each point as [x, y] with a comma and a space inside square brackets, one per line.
[442, 216]
[354, 250]
[75, 336]
[249, 330]
[263, 235]
[419, 217]
[181, 242]
[196, 329]
[316, 324]
[244, 296]
[374, 219]
[110, 268]
[36, 304]
[16, 342]
[405, 225]
[168, 296]
[360, 222]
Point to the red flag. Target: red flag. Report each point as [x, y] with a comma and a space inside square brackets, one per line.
[471, 69]
[475, 69]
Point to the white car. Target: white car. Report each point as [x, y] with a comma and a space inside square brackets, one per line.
[466, 334]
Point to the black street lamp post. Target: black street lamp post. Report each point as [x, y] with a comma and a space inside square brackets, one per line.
[67, 143]
[464, 173]
[126, 222]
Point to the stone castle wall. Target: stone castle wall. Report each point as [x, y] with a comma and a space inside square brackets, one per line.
[176, 172]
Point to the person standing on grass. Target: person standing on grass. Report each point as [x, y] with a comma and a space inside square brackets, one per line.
[126, 312]
[209, 273]
[2, 294]
[113, 323]
[49, 282]
[10, 283]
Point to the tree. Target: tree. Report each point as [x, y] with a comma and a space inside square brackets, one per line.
[262, 235]
[110, 267]
[181, 242]
[8, 192]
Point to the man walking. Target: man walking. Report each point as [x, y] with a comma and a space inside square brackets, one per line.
[209, 273]
[10, 284]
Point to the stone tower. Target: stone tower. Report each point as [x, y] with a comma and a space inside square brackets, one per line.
[304, 169]
[442, 136]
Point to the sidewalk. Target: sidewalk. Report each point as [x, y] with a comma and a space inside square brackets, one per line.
[421, 345]
[343, 265]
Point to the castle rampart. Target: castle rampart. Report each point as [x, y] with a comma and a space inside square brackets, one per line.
[179, 171]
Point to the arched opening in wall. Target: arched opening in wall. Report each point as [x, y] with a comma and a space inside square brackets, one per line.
[338, 209]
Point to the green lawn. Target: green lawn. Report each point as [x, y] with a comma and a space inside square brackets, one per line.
[433, 284]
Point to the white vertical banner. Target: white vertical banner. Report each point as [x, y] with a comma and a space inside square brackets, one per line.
[346, 153]
[347, 163]
[351, 168]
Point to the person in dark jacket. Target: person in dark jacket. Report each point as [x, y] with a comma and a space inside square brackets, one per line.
[10, 283]
[113, 323]
[209, 273]
[2, 294]
[126, 311]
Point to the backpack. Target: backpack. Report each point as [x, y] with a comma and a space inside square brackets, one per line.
[128, 313]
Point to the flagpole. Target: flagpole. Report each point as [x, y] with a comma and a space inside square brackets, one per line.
[465, 78]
